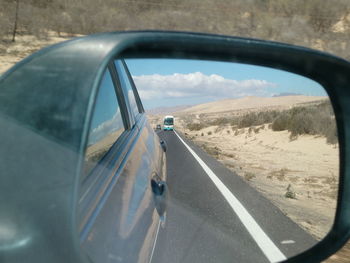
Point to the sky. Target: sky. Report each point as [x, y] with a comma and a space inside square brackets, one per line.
[174, 82]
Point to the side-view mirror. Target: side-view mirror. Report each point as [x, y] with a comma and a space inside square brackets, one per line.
[230, 96]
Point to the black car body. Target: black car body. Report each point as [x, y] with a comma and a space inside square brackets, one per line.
[128, 164]
[85, 172]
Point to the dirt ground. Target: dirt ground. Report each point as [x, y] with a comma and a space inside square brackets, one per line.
[299, 176]
[11, 53]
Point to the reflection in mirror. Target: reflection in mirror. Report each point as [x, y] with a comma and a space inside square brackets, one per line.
[272, 129]
[106, 125]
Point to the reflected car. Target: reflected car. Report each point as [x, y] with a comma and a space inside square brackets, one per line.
[90, 165]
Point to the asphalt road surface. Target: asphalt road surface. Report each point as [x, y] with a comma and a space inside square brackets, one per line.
[213, 215]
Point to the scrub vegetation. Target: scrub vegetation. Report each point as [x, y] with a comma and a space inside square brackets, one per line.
[195, 126]
[213, 151]
[314, 23]
[312, 119]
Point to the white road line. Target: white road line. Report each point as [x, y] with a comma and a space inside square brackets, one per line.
[155, 242]
[266, 245]
[288, 242]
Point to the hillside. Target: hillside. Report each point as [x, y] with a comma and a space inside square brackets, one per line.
[317, 24]
[25, 45]
[166, 110]
[246, 103]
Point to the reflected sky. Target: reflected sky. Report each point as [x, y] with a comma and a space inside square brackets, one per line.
[107, 117]
[172, 82]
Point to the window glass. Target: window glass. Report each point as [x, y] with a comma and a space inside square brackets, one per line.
[125, 82]
[168, 121]
[107, 123]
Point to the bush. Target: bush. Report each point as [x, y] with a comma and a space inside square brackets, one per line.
[290, 193]
[195, 126]
[281, 123]
[332, 134]
[248, 120]
[302, 123]
[255, 118]
[249, 176]
[213, 151]
[313, 120]
[220, 122]
[218, 129]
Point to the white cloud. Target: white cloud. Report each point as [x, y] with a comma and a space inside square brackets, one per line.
[107, 127]
[197, 84]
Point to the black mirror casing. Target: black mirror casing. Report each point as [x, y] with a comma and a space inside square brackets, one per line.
[73, 70]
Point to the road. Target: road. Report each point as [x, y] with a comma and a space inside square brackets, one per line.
[213, 215]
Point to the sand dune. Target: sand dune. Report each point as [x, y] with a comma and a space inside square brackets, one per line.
[249, 103]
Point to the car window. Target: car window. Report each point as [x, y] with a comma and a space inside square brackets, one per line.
[125, 82]
[106, 125]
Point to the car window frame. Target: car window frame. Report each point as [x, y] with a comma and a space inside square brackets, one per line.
[114, 154]
[129, 78]
[137, 96]
[100, 176]
[85, 177]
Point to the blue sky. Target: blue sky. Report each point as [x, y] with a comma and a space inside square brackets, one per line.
[172, 82]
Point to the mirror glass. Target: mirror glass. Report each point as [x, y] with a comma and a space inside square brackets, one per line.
[252, 157]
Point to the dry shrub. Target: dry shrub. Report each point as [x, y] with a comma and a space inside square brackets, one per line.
[195, 126]
[290, 192]
[249, 176]
[213, 151]
[279, 174]
[313, 120]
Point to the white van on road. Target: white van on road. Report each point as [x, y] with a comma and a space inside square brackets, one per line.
[168, 124]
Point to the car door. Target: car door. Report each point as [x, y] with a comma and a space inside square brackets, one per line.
[118, 219]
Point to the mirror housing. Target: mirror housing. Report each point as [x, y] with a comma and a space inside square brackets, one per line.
[74, 69]
[331, 72]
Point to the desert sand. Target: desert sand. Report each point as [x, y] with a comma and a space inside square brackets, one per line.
[248, 103]
[25, 45]
[269, 161]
